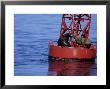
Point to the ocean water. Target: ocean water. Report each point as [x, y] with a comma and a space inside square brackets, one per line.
[31, 35]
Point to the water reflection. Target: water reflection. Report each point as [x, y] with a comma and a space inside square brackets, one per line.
[61, 68]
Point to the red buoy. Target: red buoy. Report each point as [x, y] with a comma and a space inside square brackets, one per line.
[79, 42]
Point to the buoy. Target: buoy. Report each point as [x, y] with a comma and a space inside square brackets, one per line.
[74, 42]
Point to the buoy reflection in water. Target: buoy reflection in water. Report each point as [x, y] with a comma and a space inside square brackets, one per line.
[59, 68]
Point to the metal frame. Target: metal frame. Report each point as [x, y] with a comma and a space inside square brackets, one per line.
[75, 28]
[4, 3]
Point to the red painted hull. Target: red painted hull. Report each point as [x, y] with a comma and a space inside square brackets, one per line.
[71, 52]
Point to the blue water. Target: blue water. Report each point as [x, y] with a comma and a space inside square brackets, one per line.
[31, 35]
